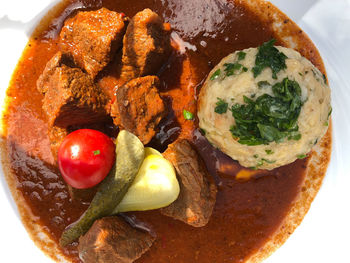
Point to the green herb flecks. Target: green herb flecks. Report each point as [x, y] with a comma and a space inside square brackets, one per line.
[188, 115]
[268, 161]
[216, 74]
[263, 84]
[269, 152]
[296, 136]
[261, 163]
[269, 56]
[97, 152]
[269, 119]
[241, 55]
[234, 68]
[221, 106]
[302, 156]
[330, 111]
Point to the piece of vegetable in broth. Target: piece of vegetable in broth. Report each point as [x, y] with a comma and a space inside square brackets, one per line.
[85, 158]
[150, 150]
[155, 185]
[130, 154]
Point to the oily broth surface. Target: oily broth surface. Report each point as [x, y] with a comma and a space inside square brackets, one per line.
[246, 214]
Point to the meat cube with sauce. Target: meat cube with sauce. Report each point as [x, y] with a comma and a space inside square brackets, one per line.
[146, 45]
[111, 240]
[59, 59]
[197, 197]
[73, 99]
[138, 108]
[92, 38]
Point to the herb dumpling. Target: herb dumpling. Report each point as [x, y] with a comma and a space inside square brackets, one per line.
[264, 107]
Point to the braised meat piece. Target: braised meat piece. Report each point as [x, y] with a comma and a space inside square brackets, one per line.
[111, 240]
[138, 108]
[146, 45]
[56, 61]
[73, 99]
[197, 197]
[92, 38]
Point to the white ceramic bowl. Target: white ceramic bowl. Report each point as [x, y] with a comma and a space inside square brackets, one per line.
[323, 236]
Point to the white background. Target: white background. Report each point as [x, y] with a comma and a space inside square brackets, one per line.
[324, 235]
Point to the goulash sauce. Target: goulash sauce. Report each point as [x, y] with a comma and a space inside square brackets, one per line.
[247, 212]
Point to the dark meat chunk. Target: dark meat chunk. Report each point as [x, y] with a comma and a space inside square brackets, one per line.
[197, 197]
[146, 45]
[55, 62]
[111, 240]
[138, 108]
[92, 38]
[73, 99]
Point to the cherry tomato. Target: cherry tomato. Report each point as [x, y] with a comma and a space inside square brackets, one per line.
[85, 157]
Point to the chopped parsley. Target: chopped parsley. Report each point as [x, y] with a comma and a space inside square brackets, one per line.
[188, 115]
[268, 161]
[302, 156]
[269, 152]
[261, 163]
[232, 68]
[296, 136]
[97, 152]
[263, 84]
[241, 55]
[221, 106]
[203, 132]
[269, 56]
[269, 119]
[330, 112]
[215, 75]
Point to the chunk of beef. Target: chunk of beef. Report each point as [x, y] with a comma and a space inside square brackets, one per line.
[111, 240]
[73, 99]
[197, 197]
[92, 38]
[56, 61]
[146, 45]
[138, 108]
